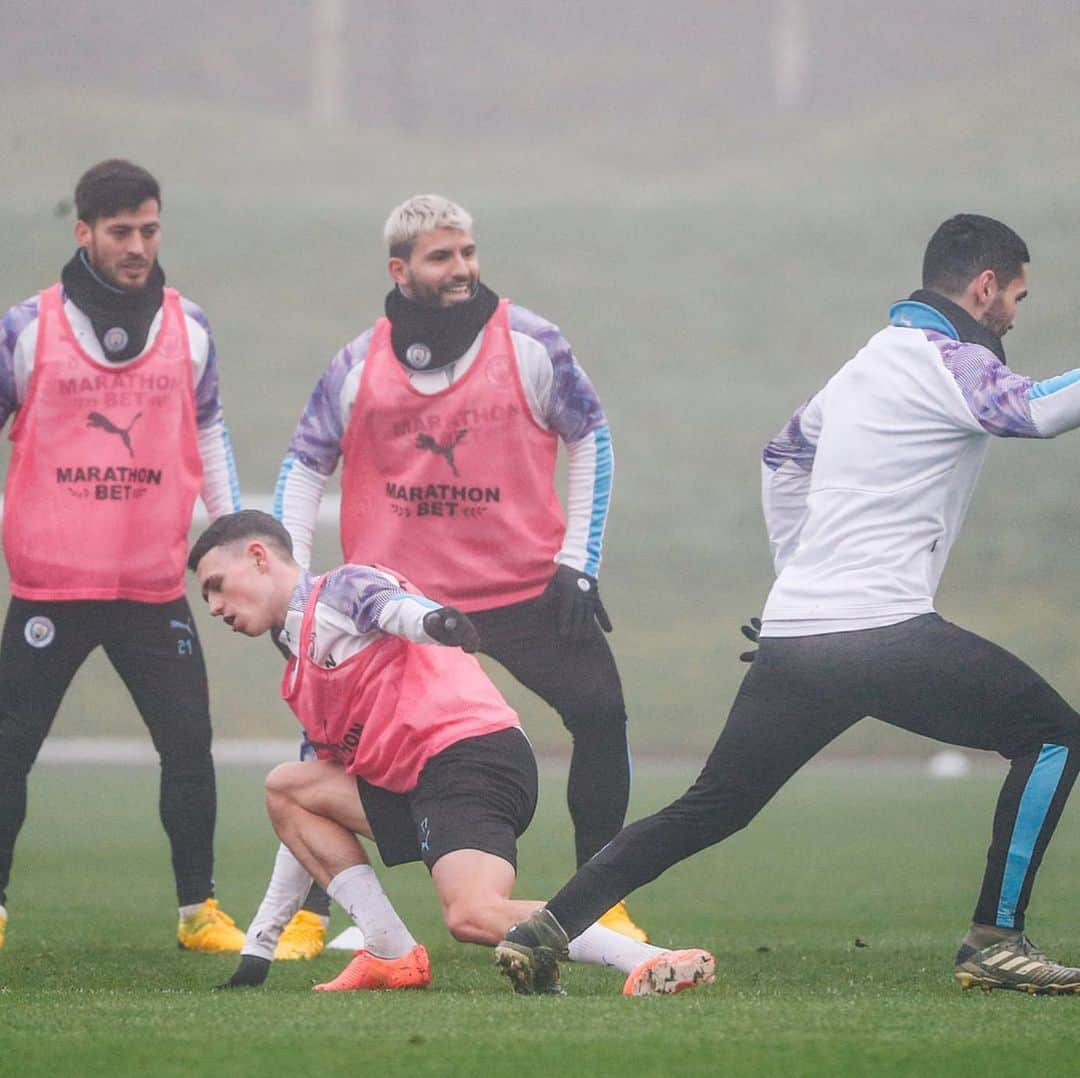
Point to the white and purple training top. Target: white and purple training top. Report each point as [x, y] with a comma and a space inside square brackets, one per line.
[357, 605]
[866, 487]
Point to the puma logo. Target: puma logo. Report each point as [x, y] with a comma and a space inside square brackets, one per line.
[426, 441]
[96, 419]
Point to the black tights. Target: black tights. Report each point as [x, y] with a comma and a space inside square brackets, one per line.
[155, 650]
[923, 675]
[580, 681]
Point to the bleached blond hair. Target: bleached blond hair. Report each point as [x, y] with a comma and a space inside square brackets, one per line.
[421, 213]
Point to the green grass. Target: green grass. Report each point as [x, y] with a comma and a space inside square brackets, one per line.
[92, 984]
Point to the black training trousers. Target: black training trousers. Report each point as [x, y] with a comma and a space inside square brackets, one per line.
[579, 679]
[155, 649]
[923, 675]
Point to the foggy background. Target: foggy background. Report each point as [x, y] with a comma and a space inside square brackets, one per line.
[716, 202]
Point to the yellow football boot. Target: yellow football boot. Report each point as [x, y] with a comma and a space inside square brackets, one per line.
[209, 928]
[303, 937]
[618, 920]
[3, 926]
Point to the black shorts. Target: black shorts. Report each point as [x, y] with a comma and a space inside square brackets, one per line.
[479, 794]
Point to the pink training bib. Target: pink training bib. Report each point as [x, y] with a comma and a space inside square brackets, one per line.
[457, 487]
[105, 467]
[385, 711]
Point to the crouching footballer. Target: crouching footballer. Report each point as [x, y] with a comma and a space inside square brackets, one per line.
[417, 750]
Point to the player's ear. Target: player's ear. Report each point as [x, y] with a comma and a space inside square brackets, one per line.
[257, 551]
[985, 286]
[398, 268]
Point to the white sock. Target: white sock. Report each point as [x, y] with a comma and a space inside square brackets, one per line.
[601, 946]
[358, 892]
[187, 911]
[285, 893]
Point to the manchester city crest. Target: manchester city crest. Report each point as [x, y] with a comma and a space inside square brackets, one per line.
[39, 632]
[418, 356]
[115, 339]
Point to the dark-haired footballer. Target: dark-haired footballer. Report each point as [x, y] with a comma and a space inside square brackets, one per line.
[416, 749]
[112, 379]
[865, 491]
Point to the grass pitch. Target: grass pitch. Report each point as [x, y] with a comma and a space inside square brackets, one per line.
[834, 919]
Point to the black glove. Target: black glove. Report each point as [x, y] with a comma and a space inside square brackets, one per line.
[251, 972]
[751, 632]
[577, 603]
[452, 627]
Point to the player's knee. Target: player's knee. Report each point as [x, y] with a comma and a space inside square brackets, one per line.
[17, 754]
[279, 789]
[187, 761]
[1036, 718]
[1027, 746]
[602, 724]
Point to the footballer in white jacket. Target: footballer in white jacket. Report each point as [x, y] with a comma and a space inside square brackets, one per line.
[865, 491]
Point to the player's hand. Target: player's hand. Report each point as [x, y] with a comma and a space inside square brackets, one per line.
[751, 632]
[451, 627]
[251, 972]
[577, 603]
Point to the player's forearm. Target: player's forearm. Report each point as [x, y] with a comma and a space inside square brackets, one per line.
[404, 616]
[296, 504]
[422, 621]
[220, 485]
[1055, 404]
[784, 491]
[362, 600]
[590, 471]
[786, 466]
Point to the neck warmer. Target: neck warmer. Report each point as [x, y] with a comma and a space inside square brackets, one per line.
[427, 338]
[121, 317]
[971, 331]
